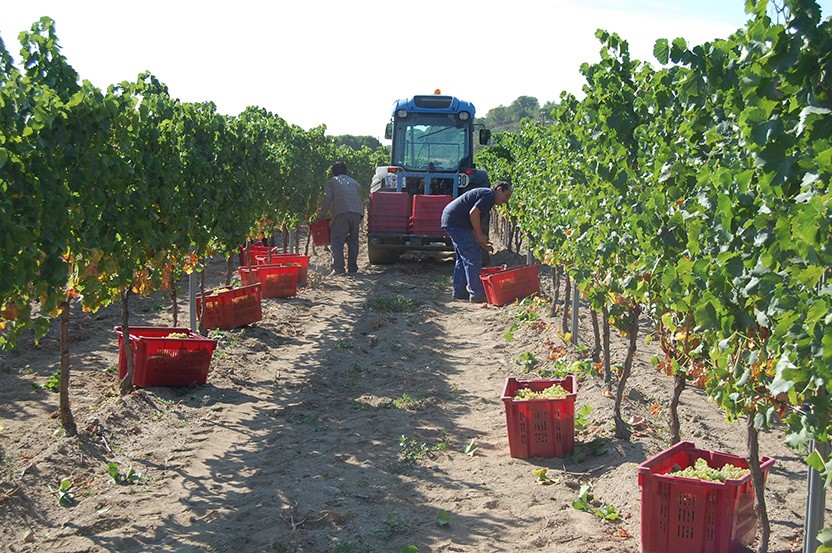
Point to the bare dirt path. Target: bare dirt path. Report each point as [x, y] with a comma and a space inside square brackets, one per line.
[338, 424]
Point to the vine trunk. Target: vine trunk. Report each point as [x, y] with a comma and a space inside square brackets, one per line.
[67, 420]
[621, 429]
[759, 484]
[675, 427]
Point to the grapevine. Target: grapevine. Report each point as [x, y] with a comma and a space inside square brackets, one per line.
[112, 192]
[696, 191]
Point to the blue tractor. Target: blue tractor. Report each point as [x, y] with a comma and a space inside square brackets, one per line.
[432, 162]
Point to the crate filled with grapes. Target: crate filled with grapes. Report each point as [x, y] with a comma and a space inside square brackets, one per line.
[230, 307]
[165, 356]
[696, 501]
[540, 416]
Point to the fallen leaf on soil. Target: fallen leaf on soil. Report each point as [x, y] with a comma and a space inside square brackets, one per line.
[637, 421]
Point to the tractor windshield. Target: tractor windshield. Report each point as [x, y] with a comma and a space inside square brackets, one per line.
[431, 143]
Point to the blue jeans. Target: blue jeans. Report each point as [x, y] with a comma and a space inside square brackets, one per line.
[468, 263]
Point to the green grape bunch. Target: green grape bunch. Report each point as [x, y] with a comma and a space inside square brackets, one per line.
[701, 471]
[555, 391]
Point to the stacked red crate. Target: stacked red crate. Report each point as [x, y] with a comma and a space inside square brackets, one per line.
[388, 213]
[427, 213]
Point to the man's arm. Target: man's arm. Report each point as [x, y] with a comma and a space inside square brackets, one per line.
[481, 239]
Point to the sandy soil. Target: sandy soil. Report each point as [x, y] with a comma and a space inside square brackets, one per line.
[338, 424]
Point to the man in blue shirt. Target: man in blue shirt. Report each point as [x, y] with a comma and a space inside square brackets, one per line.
[461, 219]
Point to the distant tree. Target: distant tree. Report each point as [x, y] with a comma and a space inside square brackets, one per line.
[357, 142]
[502, 118]
[498, 116]
[524, 107]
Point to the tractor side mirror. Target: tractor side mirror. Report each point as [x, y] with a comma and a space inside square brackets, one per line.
[485, 136]
[388, 132]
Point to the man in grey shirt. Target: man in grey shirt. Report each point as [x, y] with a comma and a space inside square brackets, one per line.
[342, 200]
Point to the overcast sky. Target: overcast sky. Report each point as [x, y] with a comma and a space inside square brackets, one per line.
[343, 64]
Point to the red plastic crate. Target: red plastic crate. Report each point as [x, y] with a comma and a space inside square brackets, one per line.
[684, 515]
[278, 280]
[162, 361]
[428, 227]
[388, 213]
[387, 227]
[377, 216]
[386, 231]
[540, 427]
[288, 258]
[320, 232]
[375, 230]
[504, 287]
[429, 206]
[231, 307]
[253, 251]
[427, 231]
[389, 204]
[384, 217]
